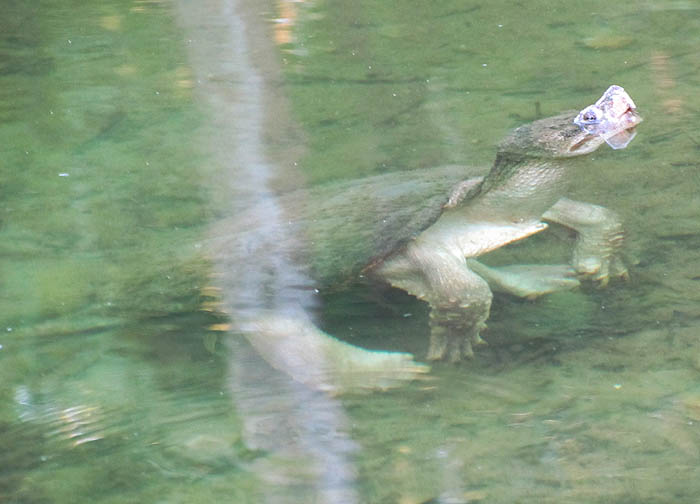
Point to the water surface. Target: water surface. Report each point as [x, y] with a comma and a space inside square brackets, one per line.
[118, 382]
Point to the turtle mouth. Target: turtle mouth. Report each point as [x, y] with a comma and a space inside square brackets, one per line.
[583, 142]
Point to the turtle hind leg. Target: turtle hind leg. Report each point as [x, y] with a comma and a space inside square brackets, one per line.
[527, 281]
[295, 346]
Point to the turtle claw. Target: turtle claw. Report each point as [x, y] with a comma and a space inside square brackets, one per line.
[600, 271]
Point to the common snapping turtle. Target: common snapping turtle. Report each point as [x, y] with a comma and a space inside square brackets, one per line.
[419, 231]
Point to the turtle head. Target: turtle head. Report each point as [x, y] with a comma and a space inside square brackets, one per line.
[613, 119]
[553, 137]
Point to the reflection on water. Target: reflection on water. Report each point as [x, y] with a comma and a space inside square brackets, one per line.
[302, 431]
[111, 386]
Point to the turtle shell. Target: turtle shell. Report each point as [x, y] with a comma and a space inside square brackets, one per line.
[327, 235]
[350, 225]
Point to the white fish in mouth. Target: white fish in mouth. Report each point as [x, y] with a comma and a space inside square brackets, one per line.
[613, 117]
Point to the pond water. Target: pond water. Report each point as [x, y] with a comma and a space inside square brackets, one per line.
[132, 130]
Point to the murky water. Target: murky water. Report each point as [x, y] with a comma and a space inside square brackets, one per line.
[134, 132]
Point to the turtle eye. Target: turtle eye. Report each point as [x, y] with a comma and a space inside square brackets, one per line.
[589, 116]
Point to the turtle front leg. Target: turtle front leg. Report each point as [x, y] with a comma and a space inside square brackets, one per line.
[459, 299]
[454, 342]
[599, 241]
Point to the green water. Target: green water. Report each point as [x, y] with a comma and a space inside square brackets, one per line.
[113, 385]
